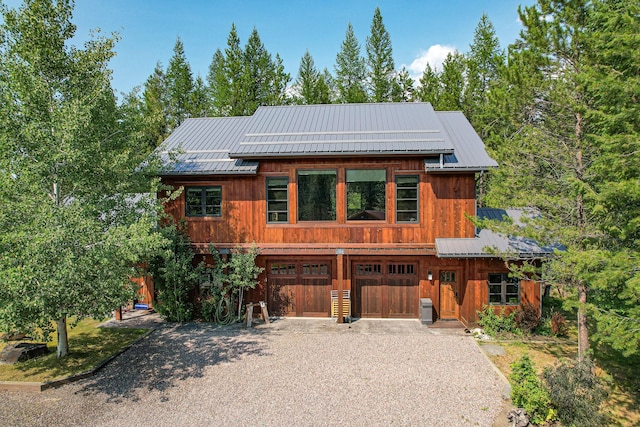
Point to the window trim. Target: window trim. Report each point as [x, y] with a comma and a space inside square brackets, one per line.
[417, 199]
[203, 189]
[505, 281]
[288, 211]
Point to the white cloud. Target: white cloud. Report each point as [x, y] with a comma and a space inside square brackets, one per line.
[433, 56]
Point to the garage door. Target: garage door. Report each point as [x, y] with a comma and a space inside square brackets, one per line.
[299, 288]
[385, 289]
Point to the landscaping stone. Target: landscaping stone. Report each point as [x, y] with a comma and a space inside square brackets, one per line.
[21, 352]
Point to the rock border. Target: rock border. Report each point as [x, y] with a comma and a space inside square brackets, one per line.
[38, 387]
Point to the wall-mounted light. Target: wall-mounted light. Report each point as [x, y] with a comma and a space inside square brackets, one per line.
[429, 275]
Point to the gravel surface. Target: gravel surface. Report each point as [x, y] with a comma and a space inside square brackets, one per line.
[290, 373]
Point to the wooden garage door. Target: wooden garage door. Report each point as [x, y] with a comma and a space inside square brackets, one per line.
[299, 288]
[385, 289]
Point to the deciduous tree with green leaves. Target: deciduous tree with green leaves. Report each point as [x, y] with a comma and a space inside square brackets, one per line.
[72, 234]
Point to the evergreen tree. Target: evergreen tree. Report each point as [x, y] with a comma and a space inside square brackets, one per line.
[350, 70]
[199, 102]
[219, 87]
[154, 109]
[453, 83]
[483, 62]
[430, 86]
[278, 84]
[381, 69]
[179, 85]
[259, 71]
[403, 90]
[234, 67]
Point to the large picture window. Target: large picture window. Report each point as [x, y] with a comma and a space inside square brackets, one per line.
[203, 201]
[317, 195]
[366, 195]
[503, 290]
[407, 198]
[278, 199]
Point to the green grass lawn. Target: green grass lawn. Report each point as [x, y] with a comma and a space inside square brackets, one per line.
[88, 346]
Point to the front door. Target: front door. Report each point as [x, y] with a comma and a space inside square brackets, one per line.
[448, 295]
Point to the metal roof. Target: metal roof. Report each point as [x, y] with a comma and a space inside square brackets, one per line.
[469, 153]
[201, 146]
[344, 129]
[231, 145]
[487, 240]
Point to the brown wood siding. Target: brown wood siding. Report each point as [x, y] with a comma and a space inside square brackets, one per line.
[443, 202]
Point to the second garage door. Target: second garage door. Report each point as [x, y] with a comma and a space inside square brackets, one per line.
[385, 289]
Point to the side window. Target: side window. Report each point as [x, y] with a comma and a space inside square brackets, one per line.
[503, 290]
[203, 201]
[317, 195]
[277, 199]
[366, 195]
[407, 199]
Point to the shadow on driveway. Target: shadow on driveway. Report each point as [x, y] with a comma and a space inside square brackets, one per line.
[169, 355]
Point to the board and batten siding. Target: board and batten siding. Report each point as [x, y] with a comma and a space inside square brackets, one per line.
[444, 200]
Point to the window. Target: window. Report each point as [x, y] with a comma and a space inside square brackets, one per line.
[366, 194]
[447, 277]
[278, 199]
[315, 269]
[401, 269]
[317, 195]
[368, 269]
[407, 198]
[283, 269]
[503, 290]
[203, 201]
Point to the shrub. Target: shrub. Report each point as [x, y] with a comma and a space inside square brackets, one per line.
[527, 392]
[576, 393]
[174, 275]
[527, 318]
[208, 307]
[497, 324]
[559, 326]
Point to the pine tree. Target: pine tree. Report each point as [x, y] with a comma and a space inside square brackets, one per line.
[453, 83]
[259, 72]
[278, 83]
[179, 85]
[350, 70]
[154, 109]
[403, 90]
[381, 69]
[430, 86]
[219, 85]
[199, 101]
[234, 66]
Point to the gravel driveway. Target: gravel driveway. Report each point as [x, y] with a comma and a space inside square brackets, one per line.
[296, 372]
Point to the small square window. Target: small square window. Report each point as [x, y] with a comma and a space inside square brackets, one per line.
[503, 290]
[203, 201]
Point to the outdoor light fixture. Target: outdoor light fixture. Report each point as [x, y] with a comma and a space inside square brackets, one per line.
[429, 275]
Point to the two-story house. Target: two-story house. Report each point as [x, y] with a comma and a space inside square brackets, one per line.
[370, 198]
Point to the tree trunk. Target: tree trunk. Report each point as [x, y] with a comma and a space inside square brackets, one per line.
[583, 331]
[63, 339]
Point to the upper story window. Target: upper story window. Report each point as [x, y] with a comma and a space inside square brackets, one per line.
[366, 195]
[407, 198]
[317, 195]
[277, 199]
[203, 201]
[503, 290]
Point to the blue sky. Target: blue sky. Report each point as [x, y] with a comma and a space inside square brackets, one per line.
[420, 30]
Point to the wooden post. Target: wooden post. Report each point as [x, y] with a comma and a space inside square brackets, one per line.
[119, 313]
[249, 314]
[265, 313]
[340, 284]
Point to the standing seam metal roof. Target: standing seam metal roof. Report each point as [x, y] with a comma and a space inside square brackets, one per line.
[232, 145]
